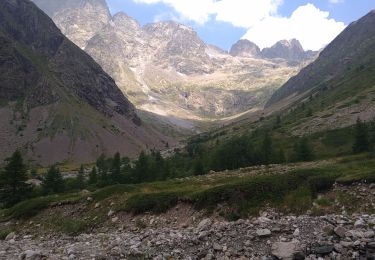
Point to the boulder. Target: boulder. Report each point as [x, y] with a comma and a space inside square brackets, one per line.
[340, 231]
[204, 224]
[286, 250]
[263, 232]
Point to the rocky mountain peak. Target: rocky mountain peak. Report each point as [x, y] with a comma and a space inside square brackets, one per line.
[290, 50]
[124, 21]
[245, 48]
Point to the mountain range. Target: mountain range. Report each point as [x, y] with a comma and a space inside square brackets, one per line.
[166, 69]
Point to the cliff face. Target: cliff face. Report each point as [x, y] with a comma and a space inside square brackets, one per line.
[54, 93]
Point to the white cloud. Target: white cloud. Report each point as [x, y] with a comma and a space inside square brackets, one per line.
[311, 26]
[195, 10]
[336, 1]
[240, 13]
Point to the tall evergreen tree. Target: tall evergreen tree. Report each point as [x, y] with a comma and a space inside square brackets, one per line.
[142, 170]
[102, 165]
[267, 149]
[81, 178]
[93, 176]
[53, 181]
[362, 142]
[13, 186]
[116, 168]
[303, 151]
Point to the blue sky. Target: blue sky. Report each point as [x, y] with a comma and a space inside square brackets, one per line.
[223, 22]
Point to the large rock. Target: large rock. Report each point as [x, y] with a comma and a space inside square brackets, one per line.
[263, 232]
[340, 231]
[204, 224]
[286, 250]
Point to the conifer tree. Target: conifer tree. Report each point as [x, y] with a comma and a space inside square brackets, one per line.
[362, 142]
[93, 177]
[116, 169]
[81, 178]
[267, 149]
[13, 186]
[53, 181]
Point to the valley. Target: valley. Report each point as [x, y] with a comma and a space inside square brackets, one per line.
[128, 141]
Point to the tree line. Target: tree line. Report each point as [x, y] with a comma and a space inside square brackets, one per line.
[257, 148]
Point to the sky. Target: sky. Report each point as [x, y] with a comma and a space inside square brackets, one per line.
[314, 23]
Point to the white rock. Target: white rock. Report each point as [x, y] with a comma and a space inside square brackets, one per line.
[285, 250]
[296, 233]
[10, 236]
[204, 224]
[110, 213]
[263, 232]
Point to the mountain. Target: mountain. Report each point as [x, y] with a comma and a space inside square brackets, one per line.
[166, 69]
[57, 104]
[339, 86]
[245, 48]
[289, 50]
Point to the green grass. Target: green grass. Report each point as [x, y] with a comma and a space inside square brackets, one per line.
[29, 208]
[293, 191]
[4, 233]
[72, 226]
[109, 191]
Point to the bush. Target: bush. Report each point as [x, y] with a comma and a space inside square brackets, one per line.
[113, 190]
[153, 202]
[72, 226]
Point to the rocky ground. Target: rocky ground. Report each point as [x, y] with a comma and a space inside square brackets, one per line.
[185, 234]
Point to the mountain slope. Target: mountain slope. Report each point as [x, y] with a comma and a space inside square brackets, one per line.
[57, 104]
[338, 88]
[352, 50]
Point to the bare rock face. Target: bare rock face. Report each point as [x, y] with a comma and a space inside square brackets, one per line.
[289, 50]
[79, 20]
[245, 48]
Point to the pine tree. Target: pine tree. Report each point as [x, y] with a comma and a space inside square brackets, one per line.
[81, 178]
[13, 186]
[281, 156]
[53, 181]
[198, 168]
[93, 177]
[142, 168]
[102, 165]
[303, 151]
[362, 142]
[267, 149]
[116, 169]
